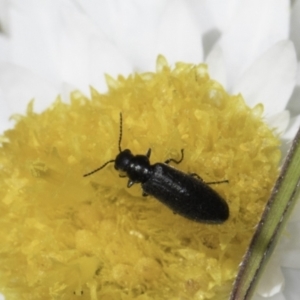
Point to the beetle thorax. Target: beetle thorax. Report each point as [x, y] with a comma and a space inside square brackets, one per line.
[136, 167]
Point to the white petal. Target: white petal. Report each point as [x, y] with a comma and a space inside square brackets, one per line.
[5, 113]
[222, 12]
[4, 48]
[292, 129]
[19, 86]
[272, 280]
[216, 66]
[295, 25]
[295, 215]
[66, 90]
[279, 296]
[280, 121]
[179, 39]
[271, 79]
[34, 32]
[206, 19]
[204, 14]
[56, 40]
[105, 58]
[4, 19]
[292, 287]
[131, 25]
[256, 26]
[290, 246]
[294, 102]
[291, 259]
[87, 54]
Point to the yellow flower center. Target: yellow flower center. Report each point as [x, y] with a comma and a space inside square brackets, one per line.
[64, 235]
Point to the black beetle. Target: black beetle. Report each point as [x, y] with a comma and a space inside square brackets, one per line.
[186, 194]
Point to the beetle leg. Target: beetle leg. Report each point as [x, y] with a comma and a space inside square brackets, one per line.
[130, 183]
[217, 182]
[212, 182]
[176, 161]
[197, 176]
[148, 153]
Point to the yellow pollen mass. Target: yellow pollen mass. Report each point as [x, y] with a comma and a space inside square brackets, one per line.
[65, 236]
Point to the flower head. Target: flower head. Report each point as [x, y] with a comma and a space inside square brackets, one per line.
[240, 54]
[70, 233]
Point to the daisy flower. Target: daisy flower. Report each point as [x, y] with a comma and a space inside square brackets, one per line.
[64, 47]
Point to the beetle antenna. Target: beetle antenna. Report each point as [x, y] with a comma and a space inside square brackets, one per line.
[98, 169]
[121, 129]
[112, 160]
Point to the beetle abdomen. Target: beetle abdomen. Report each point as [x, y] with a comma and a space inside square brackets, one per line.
[186, 195]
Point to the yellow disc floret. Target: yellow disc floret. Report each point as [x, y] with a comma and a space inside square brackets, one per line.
[65, 236]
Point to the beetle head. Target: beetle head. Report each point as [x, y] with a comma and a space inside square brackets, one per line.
[123, 160]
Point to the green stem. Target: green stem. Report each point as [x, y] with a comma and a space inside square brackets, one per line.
[274, 217]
